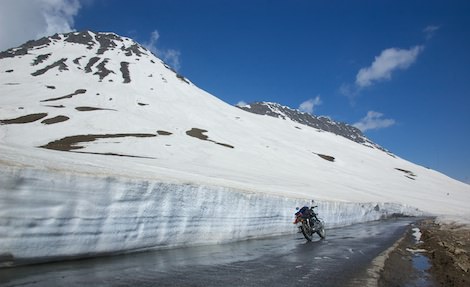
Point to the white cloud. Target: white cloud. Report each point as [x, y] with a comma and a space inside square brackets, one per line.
[23, 20]
[348, 90]
[152, 43]
[241, 104]
[373, 121]
[430, 30]
[387, 62]
[309, 105]
[170, 56]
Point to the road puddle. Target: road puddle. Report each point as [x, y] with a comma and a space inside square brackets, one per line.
[420, 262]
[421, 265]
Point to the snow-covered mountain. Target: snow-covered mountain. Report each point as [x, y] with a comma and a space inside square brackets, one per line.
[104, 149]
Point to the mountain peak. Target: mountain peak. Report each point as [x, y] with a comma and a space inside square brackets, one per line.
[100, 42]
[104, 55]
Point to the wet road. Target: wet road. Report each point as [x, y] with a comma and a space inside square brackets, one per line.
[342, 259]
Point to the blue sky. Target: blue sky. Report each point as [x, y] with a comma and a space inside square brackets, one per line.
[399, 70]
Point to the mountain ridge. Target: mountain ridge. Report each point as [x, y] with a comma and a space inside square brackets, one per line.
[319, 122]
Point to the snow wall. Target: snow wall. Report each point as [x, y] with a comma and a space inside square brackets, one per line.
[48, 215]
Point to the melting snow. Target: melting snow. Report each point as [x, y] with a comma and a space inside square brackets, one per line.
[417, 234]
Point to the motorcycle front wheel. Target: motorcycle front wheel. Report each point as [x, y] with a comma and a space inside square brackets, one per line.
[321, 232]
[306, 231]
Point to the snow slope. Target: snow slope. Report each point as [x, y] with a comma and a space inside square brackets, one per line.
[104, 148]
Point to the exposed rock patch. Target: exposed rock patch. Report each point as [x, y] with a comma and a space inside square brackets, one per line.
[72, 142]
[89, 109]
[106, 42]
[199, 134]
[77, 92]
[113, 154]
[23, 49]
[56, 106]
[182, 78]
[224, 144]
[133, 49]
[40, 58]
[408, 174]
[125, 72]
[60, 64]
[55, 120]
[24, 119]
[90, 64]
[83, 38]
[77, 60]
[325, 157]
[102, 70]
[164, 133]
[13, 53]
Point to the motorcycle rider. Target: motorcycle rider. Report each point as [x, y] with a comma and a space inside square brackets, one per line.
[307, 212]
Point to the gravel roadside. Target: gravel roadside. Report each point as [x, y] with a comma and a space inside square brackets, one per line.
[429, 254]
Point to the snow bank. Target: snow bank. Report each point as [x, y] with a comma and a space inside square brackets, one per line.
[49, 215]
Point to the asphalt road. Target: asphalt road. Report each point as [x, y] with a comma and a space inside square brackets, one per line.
[342, 259]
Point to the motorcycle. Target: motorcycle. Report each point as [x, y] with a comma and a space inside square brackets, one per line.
[308, 222]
